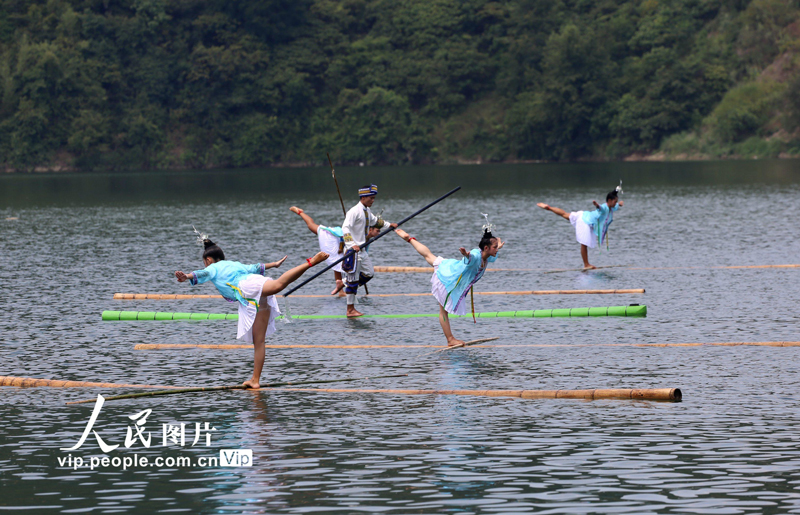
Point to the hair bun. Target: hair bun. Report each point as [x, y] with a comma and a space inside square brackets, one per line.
[208, 243]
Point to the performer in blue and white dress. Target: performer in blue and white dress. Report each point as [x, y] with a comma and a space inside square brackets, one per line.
[591, 227]
[331, 241]
[254, 293]
[355, 231]
[452, 279]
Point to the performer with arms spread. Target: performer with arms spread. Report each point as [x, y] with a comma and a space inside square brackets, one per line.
[453, 278]
[591, 227]
[355, 230]
[331, 241]
[255, 294]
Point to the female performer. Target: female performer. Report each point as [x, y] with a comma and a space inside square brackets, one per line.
[453, 278]
[591, 227]
[331, 241]
[255, 294]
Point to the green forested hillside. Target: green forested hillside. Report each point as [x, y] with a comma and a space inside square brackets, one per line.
[99, 84]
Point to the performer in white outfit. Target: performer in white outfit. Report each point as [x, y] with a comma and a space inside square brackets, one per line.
[591, 227]
[355, 229]
[331, 242]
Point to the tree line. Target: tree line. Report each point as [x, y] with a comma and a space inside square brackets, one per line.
[115, 84]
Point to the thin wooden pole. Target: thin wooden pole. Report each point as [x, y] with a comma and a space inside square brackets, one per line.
[232, 387]
[333, 172]
[172, 296]
[165, 346]
[467, 344]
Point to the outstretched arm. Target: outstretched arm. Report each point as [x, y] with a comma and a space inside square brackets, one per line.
[182, 277]
[275, 264]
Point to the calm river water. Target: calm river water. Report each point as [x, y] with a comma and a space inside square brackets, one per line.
[731, 446]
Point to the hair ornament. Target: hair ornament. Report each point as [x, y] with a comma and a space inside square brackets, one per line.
[200, 236]
[488, 226]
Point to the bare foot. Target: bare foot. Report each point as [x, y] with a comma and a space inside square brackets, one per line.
[319, 257]
[589, 267]
[542, 205]
[403, 234]
[453, 342]
[295, 209]
[352, 313]
[339, 286]
[252, 383]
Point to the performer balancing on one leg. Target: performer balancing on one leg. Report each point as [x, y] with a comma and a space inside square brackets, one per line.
[331, 241]
[591, 227]
[355, 229]
[255, 294]
[453, 278]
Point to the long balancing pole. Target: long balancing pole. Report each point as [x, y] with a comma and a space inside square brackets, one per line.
[233, 387]
[369, 242]
[333, 172]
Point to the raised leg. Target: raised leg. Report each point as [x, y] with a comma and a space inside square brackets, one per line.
[289, 276]
[312, 226]
[585, 257]
[259, 334]
[419, 247]
[559, 212]
[444, 321]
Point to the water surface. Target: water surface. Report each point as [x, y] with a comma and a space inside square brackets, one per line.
[730, 447]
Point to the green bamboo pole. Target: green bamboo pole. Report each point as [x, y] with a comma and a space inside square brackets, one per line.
[233, 387]
[633, 310]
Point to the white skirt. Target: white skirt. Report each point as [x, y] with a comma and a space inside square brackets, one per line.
[440, 292]
[329, 244]
[583, 231]
[251, 287]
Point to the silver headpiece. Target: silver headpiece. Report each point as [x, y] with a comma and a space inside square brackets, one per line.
[488, 226]
[200, 236]
[619, 188]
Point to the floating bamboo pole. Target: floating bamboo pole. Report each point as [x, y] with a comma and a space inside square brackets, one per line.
[164, 346]
[428, 270]
[651, 394]
[231, 387]
[582, 269]
[28, 382]
[172, 296]
[633, 310]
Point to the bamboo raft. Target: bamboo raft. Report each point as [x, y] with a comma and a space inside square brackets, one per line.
[173, 296]
[620, 311]
[653, 394]
[222, 346]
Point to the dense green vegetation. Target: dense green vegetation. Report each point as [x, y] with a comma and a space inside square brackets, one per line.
[196, 83]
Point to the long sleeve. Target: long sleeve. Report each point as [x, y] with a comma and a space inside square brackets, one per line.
[205, 275]
[473, 261]
[349, 227]
[374, 219]
[257, 269]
